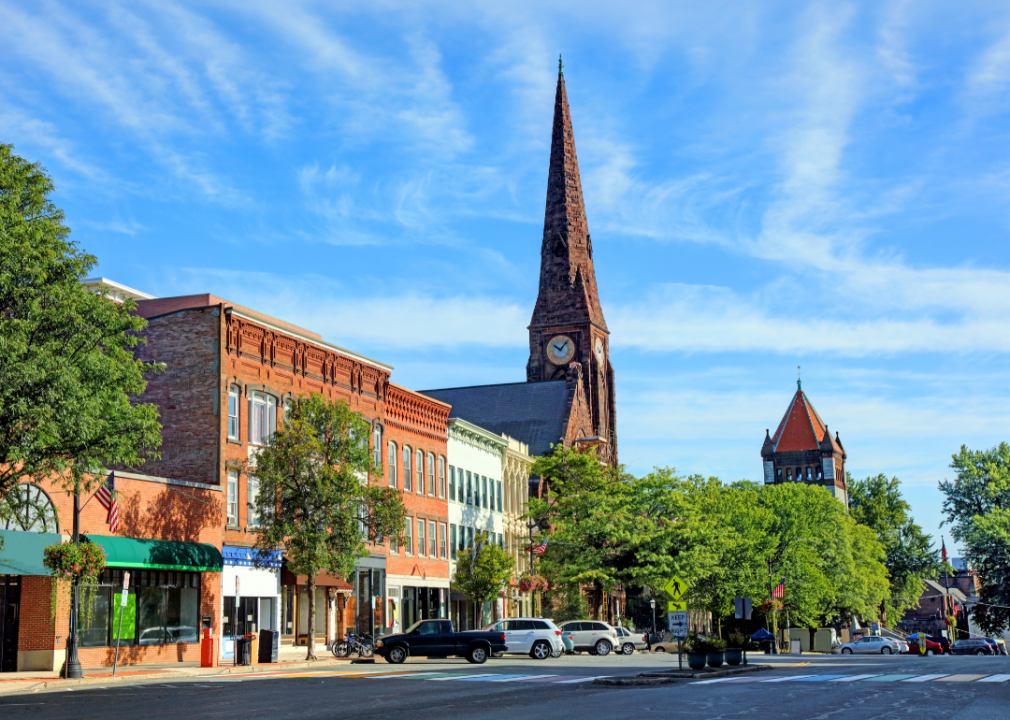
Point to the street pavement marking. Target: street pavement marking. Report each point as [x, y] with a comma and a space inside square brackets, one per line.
[801, 664]
[787, 679]
[960, 678]
[578, 680]
[553, 678]
[996, 678]
[853, 678]
[481, 678]
[387, 676]
[455, 677]
[518, 678]
[927, 678]
[815, 678]
[888, 678]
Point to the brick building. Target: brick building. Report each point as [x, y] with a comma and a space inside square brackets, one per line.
[802, 450]
[229, 373]
[568, 396]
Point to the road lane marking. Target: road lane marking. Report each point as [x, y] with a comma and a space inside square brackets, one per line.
[483, 677]
[816, 678]
[518, 678]
[888, 678]
[927, 678]
[854, 678]
[405, 675]
[996, 678]
[578, 680]
[553, 678]
[960, 678]
[801, 664]
[786, 679]
[455, 677]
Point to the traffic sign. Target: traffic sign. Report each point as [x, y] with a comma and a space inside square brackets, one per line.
[676, 587]
[676, 606]
[677, 622]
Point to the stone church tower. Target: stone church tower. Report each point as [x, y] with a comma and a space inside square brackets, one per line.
[568, 335]
[802, 450]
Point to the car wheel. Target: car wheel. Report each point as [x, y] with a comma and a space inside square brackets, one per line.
[477, 655]
[541, 650]
[556, 653]
[885, 651]
[930, 652]
[659, 648]
[396, 655]
[980, 652]
[628, 648]
[497, 655]
[603, 648]
[846, 651]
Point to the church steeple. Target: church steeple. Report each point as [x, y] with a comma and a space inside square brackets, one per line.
[568, 291]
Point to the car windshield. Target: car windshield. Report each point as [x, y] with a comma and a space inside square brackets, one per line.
[425, 627]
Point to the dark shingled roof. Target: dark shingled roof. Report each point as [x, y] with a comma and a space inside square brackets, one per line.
[533, 412]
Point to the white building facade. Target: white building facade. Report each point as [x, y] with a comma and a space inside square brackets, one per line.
[476, 505]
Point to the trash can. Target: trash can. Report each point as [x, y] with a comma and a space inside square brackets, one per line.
[270, 641]
[243, 648]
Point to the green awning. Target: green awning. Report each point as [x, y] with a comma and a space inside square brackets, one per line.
[124, 552]
[22, 552]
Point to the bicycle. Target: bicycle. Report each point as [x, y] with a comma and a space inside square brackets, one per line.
[360, 644]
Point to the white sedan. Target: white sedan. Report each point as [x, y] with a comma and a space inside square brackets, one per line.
[870, 644]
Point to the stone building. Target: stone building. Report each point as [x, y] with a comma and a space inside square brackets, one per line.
[568, 396]
[802, 450]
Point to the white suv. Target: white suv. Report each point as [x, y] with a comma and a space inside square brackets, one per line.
[537, 637]
[592, 635]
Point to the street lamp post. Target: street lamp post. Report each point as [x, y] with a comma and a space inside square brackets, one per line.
[652, 604]
[72, 666]
[530, 524]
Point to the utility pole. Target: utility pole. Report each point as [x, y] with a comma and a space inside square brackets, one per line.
[72, 666]
[771, 601]
[530, 524]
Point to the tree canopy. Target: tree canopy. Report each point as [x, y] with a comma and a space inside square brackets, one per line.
[68, 376]
[482, 571]
[977, 506]
[314, 495]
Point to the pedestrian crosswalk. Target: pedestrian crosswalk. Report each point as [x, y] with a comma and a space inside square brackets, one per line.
[431, 676]
[879, 678]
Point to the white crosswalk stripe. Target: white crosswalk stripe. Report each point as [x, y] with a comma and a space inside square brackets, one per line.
[925, 678]
[854, 678]
[995, 678]
[579, 680]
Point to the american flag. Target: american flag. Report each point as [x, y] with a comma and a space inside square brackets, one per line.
[539, 549]
[107, 497]
[780, 590]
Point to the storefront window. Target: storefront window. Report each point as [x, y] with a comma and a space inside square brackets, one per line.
[151, 616]
[95, 624]
[370, 601]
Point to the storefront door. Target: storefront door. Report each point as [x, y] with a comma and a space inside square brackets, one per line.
[238, 621]
[10, 620]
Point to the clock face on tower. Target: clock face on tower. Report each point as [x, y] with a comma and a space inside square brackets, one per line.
[599, 350]
[560, 349]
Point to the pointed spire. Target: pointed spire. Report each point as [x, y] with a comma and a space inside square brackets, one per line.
[566, 250]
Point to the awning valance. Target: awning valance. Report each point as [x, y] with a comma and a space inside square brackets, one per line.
[124, 552]
[247, 557]
[22, 552]
[323, 579]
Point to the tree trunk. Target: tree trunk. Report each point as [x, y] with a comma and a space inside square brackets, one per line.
[311, 644]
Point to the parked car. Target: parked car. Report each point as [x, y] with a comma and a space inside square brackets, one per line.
[592, 635]
[436, 638]
[942, 641]
[902, 646]
[668, 645]
[536, 637]
[568, 642]
[870, 644]
[1000, 645]
[932, 647]
[973, 646]
[628, 642]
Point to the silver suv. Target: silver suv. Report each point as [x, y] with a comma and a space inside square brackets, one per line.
[537, 637]
[592, 635]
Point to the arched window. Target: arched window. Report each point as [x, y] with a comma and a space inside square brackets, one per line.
[419, 469]
[441, 476]
[27, 508]
[431, 474]
[406, 467]
[392, 464]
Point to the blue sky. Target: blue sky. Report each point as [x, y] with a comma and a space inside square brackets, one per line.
[767, 185]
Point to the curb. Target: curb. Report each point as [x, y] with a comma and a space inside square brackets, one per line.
[700, 675]
[633, 680]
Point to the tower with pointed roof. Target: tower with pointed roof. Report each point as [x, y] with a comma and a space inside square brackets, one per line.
[569, 338]
[803, 450]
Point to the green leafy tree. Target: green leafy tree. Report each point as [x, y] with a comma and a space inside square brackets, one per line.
[69, 379]
[482, 571]
[315, 498]
[877, 503]
[977, 506]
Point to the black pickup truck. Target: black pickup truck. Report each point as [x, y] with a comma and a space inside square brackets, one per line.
[435, 638]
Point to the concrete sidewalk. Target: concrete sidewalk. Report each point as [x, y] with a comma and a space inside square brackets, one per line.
[34, 681]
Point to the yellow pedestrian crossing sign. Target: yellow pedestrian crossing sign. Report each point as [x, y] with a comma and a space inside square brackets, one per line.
[676, 587]
[676, 606]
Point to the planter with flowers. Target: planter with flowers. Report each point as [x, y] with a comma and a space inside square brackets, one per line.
[532, 583]
[69, 563]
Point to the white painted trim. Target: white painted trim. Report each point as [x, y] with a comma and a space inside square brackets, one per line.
[166, 481]
[113, 285]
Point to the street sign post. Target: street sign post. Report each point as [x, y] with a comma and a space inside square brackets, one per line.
[122, 604]
[673, 606]
[677, 622]
[676, 587]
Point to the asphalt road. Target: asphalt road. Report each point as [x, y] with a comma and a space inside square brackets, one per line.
[806, 687]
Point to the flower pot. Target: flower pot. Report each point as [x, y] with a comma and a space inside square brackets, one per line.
[734, 656]
[715, 659]
[696, 661]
